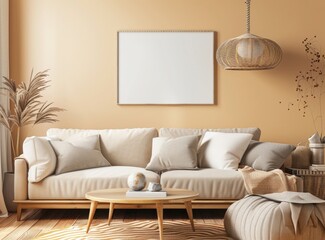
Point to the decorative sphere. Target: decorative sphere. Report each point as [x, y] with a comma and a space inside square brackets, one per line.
[137, 181]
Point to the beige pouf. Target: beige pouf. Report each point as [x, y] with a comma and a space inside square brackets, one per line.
[277, 216]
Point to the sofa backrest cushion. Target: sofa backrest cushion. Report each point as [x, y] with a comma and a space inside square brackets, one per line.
[179, 132]
[122, 147]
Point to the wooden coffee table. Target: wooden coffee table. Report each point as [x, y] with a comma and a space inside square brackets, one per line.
[118, 196]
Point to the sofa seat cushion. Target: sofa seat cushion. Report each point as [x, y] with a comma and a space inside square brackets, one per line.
[74, 185]
[210, 183]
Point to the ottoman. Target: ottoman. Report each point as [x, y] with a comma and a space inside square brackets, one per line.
[277, 216]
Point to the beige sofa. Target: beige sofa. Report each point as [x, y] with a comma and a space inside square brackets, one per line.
[128, 151]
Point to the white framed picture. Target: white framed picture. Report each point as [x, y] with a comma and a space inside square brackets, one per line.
[166, 67]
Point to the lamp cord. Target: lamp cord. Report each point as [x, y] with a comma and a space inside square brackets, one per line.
[248, 16]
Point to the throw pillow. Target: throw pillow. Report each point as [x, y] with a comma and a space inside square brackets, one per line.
[73, 155]
[40, 157]
[173, 153]
[222, 150]
[266, 156]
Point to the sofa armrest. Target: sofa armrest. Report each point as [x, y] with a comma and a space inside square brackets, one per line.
[21, 178]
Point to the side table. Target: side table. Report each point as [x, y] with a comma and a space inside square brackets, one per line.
[314, 181]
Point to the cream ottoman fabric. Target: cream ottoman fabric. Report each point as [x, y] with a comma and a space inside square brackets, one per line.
[277, 216]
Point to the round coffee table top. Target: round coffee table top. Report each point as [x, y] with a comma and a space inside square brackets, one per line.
[118, 195]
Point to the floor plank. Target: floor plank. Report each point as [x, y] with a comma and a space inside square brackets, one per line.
[36, 222]
[130, 215]
[68, 219]
[45, 224]
[16, 228]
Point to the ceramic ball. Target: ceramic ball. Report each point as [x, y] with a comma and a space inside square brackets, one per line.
[137, 181]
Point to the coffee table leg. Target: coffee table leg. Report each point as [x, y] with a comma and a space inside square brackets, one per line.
[92, 211]
[160, 215]
[188, 206]
[111, 210]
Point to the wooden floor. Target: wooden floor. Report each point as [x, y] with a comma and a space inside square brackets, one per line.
[35, 222]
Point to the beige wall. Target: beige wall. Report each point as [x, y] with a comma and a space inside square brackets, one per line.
[76, 39]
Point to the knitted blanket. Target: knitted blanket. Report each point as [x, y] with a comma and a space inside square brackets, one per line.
[262, 182]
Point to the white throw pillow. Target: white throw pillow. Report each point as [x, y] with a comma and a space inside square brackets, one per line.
[222, 150]
[173, 153]
[78, 154]
[40, 157]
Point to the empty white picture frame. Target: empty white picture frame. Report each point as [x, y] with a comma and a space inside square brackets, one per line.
[166, 68]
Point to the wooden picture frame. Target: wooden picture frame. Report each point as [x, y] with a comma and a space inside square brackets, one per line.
[166, 67]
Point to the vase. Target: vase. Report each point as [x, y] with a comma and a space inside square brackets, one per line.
[8, 191]
[318, 156]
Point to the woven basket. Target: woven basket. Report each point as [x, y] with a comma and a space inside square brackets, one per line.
[314, 181]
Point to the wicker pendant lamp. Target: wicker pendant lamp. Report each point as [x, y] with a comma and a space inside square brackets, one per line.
[248, 51]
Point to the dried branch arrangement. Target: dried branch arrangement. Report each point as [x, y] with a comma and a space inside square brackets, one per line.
[310, 86]
[26, 106]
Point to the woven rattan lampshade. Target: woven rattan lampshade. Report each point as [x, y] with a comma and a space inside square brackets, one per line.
[248, 51]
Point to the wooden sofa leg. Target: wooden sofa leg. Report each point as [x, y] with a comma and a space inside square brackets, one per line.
[19, 210]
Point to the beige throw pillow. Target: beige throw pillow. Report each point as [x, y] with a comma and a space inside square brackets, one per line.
[40, 157]
[173, 153]
[78, 154]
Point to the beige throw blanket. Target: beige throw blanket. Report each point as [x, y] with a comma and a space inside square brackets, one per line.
[262, 182]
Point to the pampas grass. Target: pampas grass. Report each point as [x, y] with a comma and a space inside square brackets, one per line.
[26, 106]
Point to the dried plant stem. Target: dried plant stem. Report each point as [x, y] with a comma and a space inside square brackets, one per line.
[310, 85]
[26, 107]
[13, 146]
[321, 114]
[17, 142]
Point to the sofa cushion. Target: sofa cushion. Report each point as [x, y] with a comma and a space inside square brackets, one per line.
[123, 147]
[78, 154]
[40, 157]
[210, 183]
[91, 142]
[266, 156]
[222, 150]
[74, 185]
[178, 132]
[173, 153]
